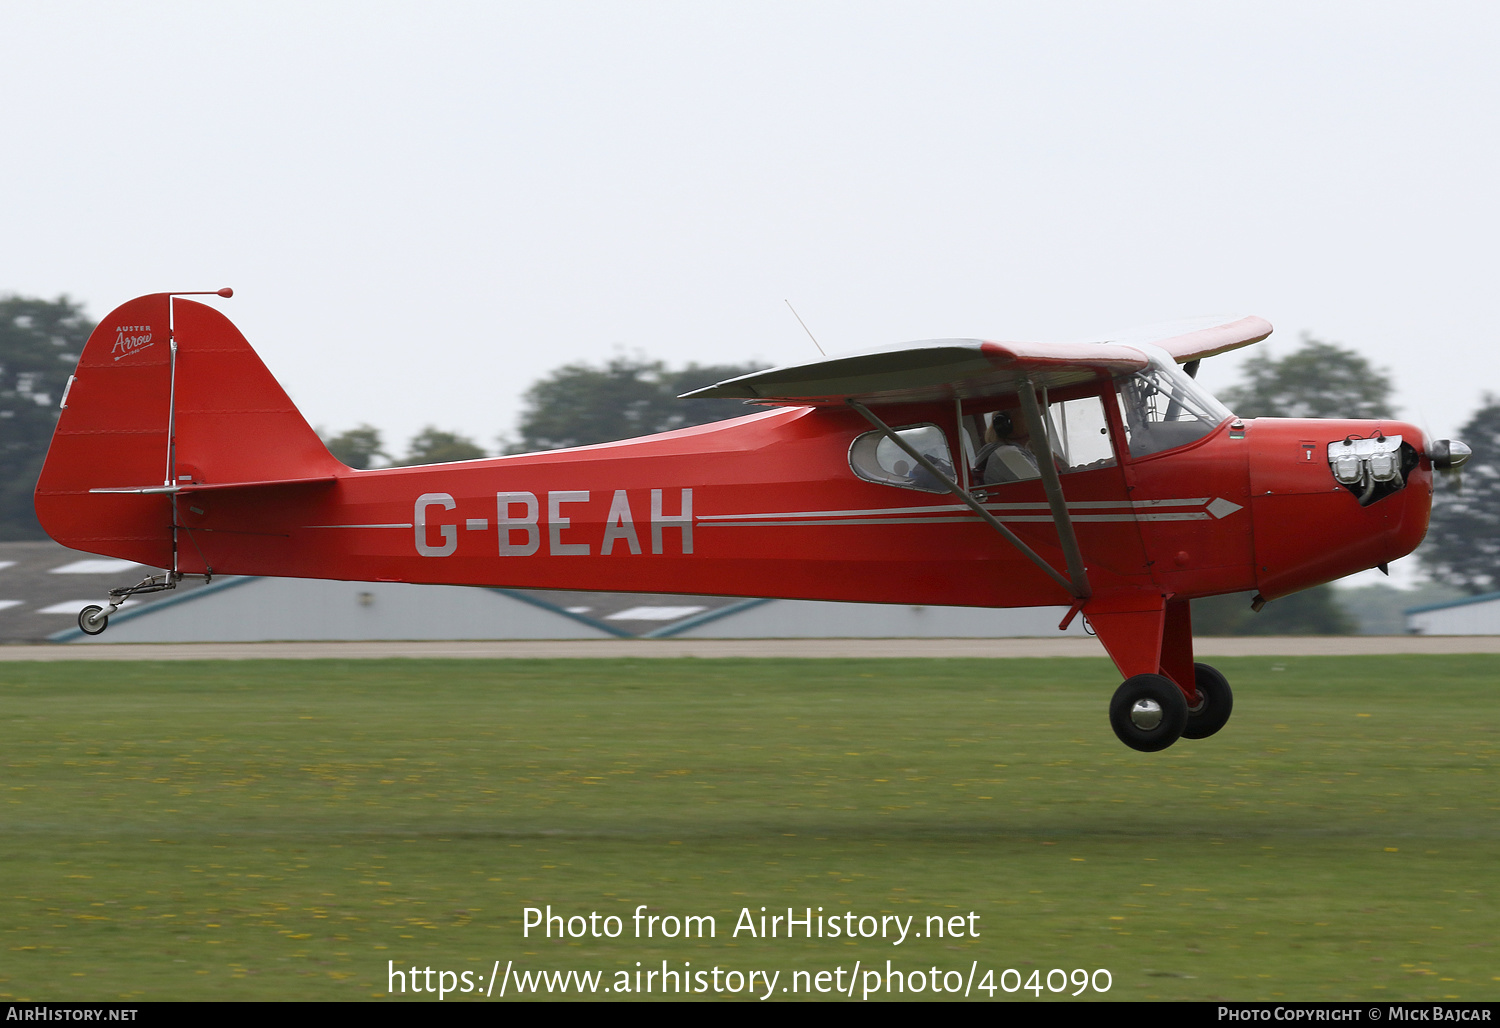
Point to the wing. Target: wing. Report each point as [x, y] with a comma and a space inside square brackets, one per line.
[1195, 338]
[942, 369]
[936, 370]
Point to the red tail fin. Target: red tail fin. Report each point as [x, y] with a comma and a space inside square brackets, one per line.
[139, 415]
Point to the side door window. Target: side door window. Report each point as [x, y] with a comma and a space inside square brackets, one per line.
[1077, 432]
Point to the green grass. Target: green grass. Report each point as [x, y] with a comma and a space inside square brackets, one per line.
[280, 829]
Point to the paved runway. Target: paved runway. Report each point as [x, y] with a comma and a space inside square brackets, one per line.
[1241, 646]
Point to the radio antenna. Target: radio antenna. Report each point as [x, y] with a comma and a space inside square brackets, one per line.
[804, 327]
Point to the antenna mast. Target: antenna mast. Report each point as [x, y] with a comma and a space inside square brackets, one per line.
[804, 327]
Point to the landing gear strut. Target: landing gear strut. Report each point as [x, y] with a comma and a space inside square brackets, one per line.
[1150, 711]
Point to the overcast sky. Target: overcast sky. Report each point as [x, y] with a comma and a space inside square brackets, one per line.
[424, 207]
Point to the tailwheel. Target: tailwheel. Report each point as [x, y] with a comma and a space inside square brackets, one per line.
[1215, 702]
[92, 620]
[1148, 712]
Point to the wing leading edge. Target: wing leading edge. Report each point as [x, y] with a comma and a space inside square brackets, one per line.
[943, 369]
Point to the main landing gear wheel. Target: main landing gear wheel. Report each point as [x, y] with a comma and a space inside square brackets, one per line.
[92, 620]
[1215, 702]
[1148, 712]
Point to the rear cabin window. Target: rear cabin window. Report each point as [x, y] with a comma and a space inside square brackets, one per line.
[875, 458]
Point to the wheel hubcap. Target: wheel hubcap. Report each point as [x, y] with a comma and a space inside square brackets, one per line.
[1145, 714]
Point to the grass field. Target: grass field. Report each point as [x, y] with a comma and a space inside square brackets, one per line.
[280, 830]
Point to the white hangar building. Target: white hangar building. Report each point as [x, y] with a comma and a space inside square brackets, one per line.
[43, 586]
[1472, 615]
[252, 609]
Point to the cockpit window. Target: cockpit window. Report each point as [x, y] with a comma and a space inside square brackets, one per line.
[875, 458]
[1162, 408]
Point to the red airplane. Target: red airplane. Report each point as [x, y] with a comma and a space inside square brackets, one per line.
[1094, 475]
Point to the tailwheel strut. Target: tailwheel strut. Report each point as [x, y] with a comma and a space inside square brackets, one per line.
[94, 619]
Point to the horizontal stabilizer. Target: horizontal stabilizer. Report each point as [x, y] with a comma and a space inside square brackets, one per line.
[199, 487]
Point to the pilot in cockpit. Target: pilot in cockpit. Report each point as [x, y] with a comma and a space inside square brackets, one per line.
[1004, 456]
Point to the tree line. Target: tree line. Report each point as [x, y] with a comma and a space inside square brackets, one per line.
[627, 396]
[576, 405]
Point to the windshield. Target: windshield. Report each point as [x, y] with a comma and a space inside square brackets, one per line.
[1162, 408]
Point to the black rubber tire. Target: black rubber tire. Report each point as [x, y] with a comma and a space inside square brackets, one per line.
[86, 614]
[1165, 694]
[1215, 703]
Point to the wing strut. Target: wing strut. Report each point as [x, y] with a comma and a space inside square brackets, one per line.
[1079, 588]
[1042, 444]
